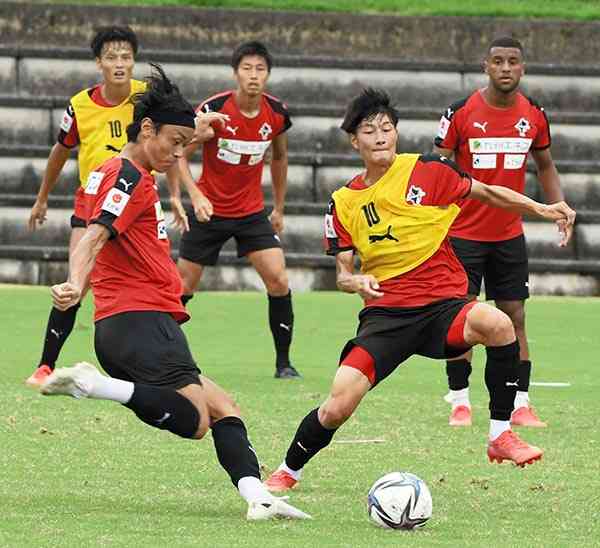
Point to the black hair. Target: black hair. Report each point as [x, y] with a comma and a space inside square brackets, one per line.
[506, 42]
[113, 34]
[161, 95]
[367, 105]
[251, 48]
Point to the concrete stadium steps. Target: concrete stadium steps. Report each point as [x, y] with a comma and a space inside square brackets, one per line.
[314, 129]
[303, 234]
[298, 79]
[311, 178]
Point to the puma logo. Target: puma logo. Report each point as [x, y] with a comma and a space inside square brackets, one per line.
[482, 127]
[233, 130]
[125, 184]
[379, 237]
[111, 148]
[512, 384]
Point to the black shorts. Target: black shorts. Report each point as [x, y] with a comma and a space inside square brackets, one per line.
[146, 347]
[203, 242]
[503, 265]
[392, 335]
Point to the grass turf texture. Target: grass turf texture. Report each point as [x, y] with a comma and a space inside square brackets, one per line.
[565, 9]
[87, 473]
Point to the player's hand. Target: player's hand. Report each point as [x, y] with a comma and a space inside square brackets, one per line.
[180, 218]
[276, 219]
[204, 125]
[203, 209]
[366, 286]
[38, 214]
[564, 217]
[65, 295]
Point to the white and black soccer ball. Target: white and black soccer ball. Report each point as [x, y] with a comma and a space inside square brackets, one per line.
[399, 500]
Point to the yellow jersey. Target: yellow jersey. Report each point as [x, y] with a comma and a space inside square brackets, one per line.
[390, 229]
[101, 129]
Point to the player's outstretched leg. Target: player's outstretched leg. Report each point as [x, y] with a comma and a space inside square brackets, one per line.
[238, 458]
[59, 327]
[458, 372]
[489, 326]
[185, 412]
[318, 427]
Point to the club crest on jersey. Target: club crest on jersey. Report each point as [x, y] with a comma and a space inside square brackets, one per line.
[115, 201]
[522, 126]
[443, 127]
[264, 131]
[415, 195]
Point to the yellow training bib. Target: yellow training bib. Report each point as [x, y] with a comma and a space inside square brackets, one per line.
[391, 235]
[101, 129]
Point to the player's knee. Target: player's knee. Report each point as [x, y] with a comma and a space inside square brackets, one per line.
[500, 330]
[190, 276]
[224, 407]
[277, 284]
[335, 412]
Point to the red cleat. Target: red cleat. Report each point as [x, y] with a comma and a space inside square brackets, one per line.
[508, 446]
[460, 416]
[526, 416]
[38, 377]
[280, 481]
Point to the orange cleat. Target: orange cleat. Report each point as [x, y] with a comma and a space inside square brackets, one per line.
[460, 416]
[38, 377]
[280, 481]
[526, 416]
[508, 446]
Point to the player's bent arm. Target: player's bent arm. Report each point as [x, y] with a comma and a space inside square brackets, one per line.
[56, 161]
[203, 208]
[446, 152]
[365, 285]
[82, 261]
[180, 220]
[84, 255]
[505, 198]
[548, 175]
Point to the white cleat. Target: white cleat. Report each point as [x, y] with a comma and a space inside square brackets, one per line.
[76, 381]
[275, 509]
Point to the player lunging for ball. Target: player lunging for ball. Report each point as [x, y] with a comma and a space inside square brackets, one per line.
[396, 216]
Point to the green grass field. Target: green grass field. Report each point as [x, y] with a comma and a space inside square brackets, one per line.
[565, 9]
[87, 473]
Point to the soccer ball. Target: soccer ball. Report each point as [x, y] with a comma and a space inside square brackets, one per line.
[399, 500]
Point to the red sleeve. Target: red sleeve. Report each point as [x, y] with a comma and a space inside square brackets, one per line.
[337, 238]
[437, 181]
[120, 199]
[542, 139]
[68, 135]
[448, 134]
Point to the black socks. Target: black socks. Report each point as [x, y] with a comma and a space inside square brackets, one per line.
[458, 372]
[59, 327]
[234, 450]
[166, 409]
[281, 322]
[524, 375]
[310, 438]
[502, 379]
